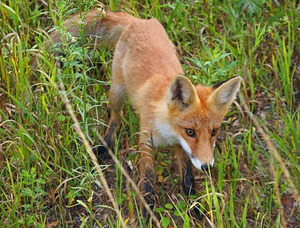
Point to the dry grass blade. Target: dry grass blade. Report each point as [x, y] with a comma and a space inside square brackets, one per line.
[130, 180]
[95, 161]
[66, 101]
[274, 153]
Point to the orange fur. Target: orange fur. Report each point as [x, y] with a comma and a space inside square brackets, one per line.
[146, 70]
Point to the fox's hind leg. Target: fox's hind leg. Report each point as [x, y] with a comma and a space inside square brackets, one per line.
[117, 96]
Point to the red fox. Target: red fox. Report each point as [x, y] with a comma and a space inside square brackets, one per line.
[172, 111]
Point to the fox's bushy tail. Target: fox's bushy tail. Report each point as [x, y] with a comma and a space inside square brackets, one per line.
[102, 25]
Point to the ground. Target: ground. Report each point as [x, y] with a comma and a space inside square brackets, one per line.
[47, 176]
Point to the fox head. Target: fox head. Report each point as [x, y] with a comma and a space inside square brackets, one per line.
[195, 115]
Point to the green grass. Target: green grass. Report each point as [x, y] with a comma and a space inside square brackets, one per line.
[47, 177]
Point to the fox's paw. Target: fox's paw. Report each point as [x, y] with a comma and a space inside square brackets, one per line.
[197, 213]
[101, 153]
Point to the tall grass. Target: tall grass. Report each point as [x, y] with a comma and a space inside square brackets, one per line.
[47, 177]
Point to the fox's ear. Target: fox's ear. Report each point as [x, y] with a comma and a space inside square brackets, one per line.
[224, 94]
[181, 93]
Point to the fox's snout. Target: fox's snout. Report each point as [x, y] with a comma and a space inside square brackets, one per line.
[202, 165]
[201, 159]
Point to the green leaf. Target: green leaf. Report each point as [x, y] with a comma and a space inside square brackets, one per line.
[61, 118]
[186, 223]
[159, 209]
[169, 206]
[165, 221]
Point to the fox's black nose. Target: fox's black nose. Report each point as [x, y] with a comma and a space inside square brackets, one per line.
[204, 167]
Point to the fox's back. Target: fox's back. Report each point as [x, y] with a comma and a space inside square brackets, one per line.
[146, 52]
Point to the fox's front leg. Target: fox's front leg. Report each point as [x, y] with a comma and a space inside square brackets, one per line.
[186, 172]
[146, 171]
[187, 179]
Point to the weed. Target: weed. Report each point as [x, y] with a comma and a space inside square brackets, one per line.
[47, 177]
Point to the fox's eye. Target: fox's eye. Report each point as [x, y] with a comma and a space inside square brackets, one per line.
[190, 132]
[214, 132]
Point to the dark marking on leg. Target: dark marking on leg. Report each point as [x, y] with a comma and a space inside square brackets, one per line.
[188, 180]
[149, 194]
[101, 152]
[188, 189]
